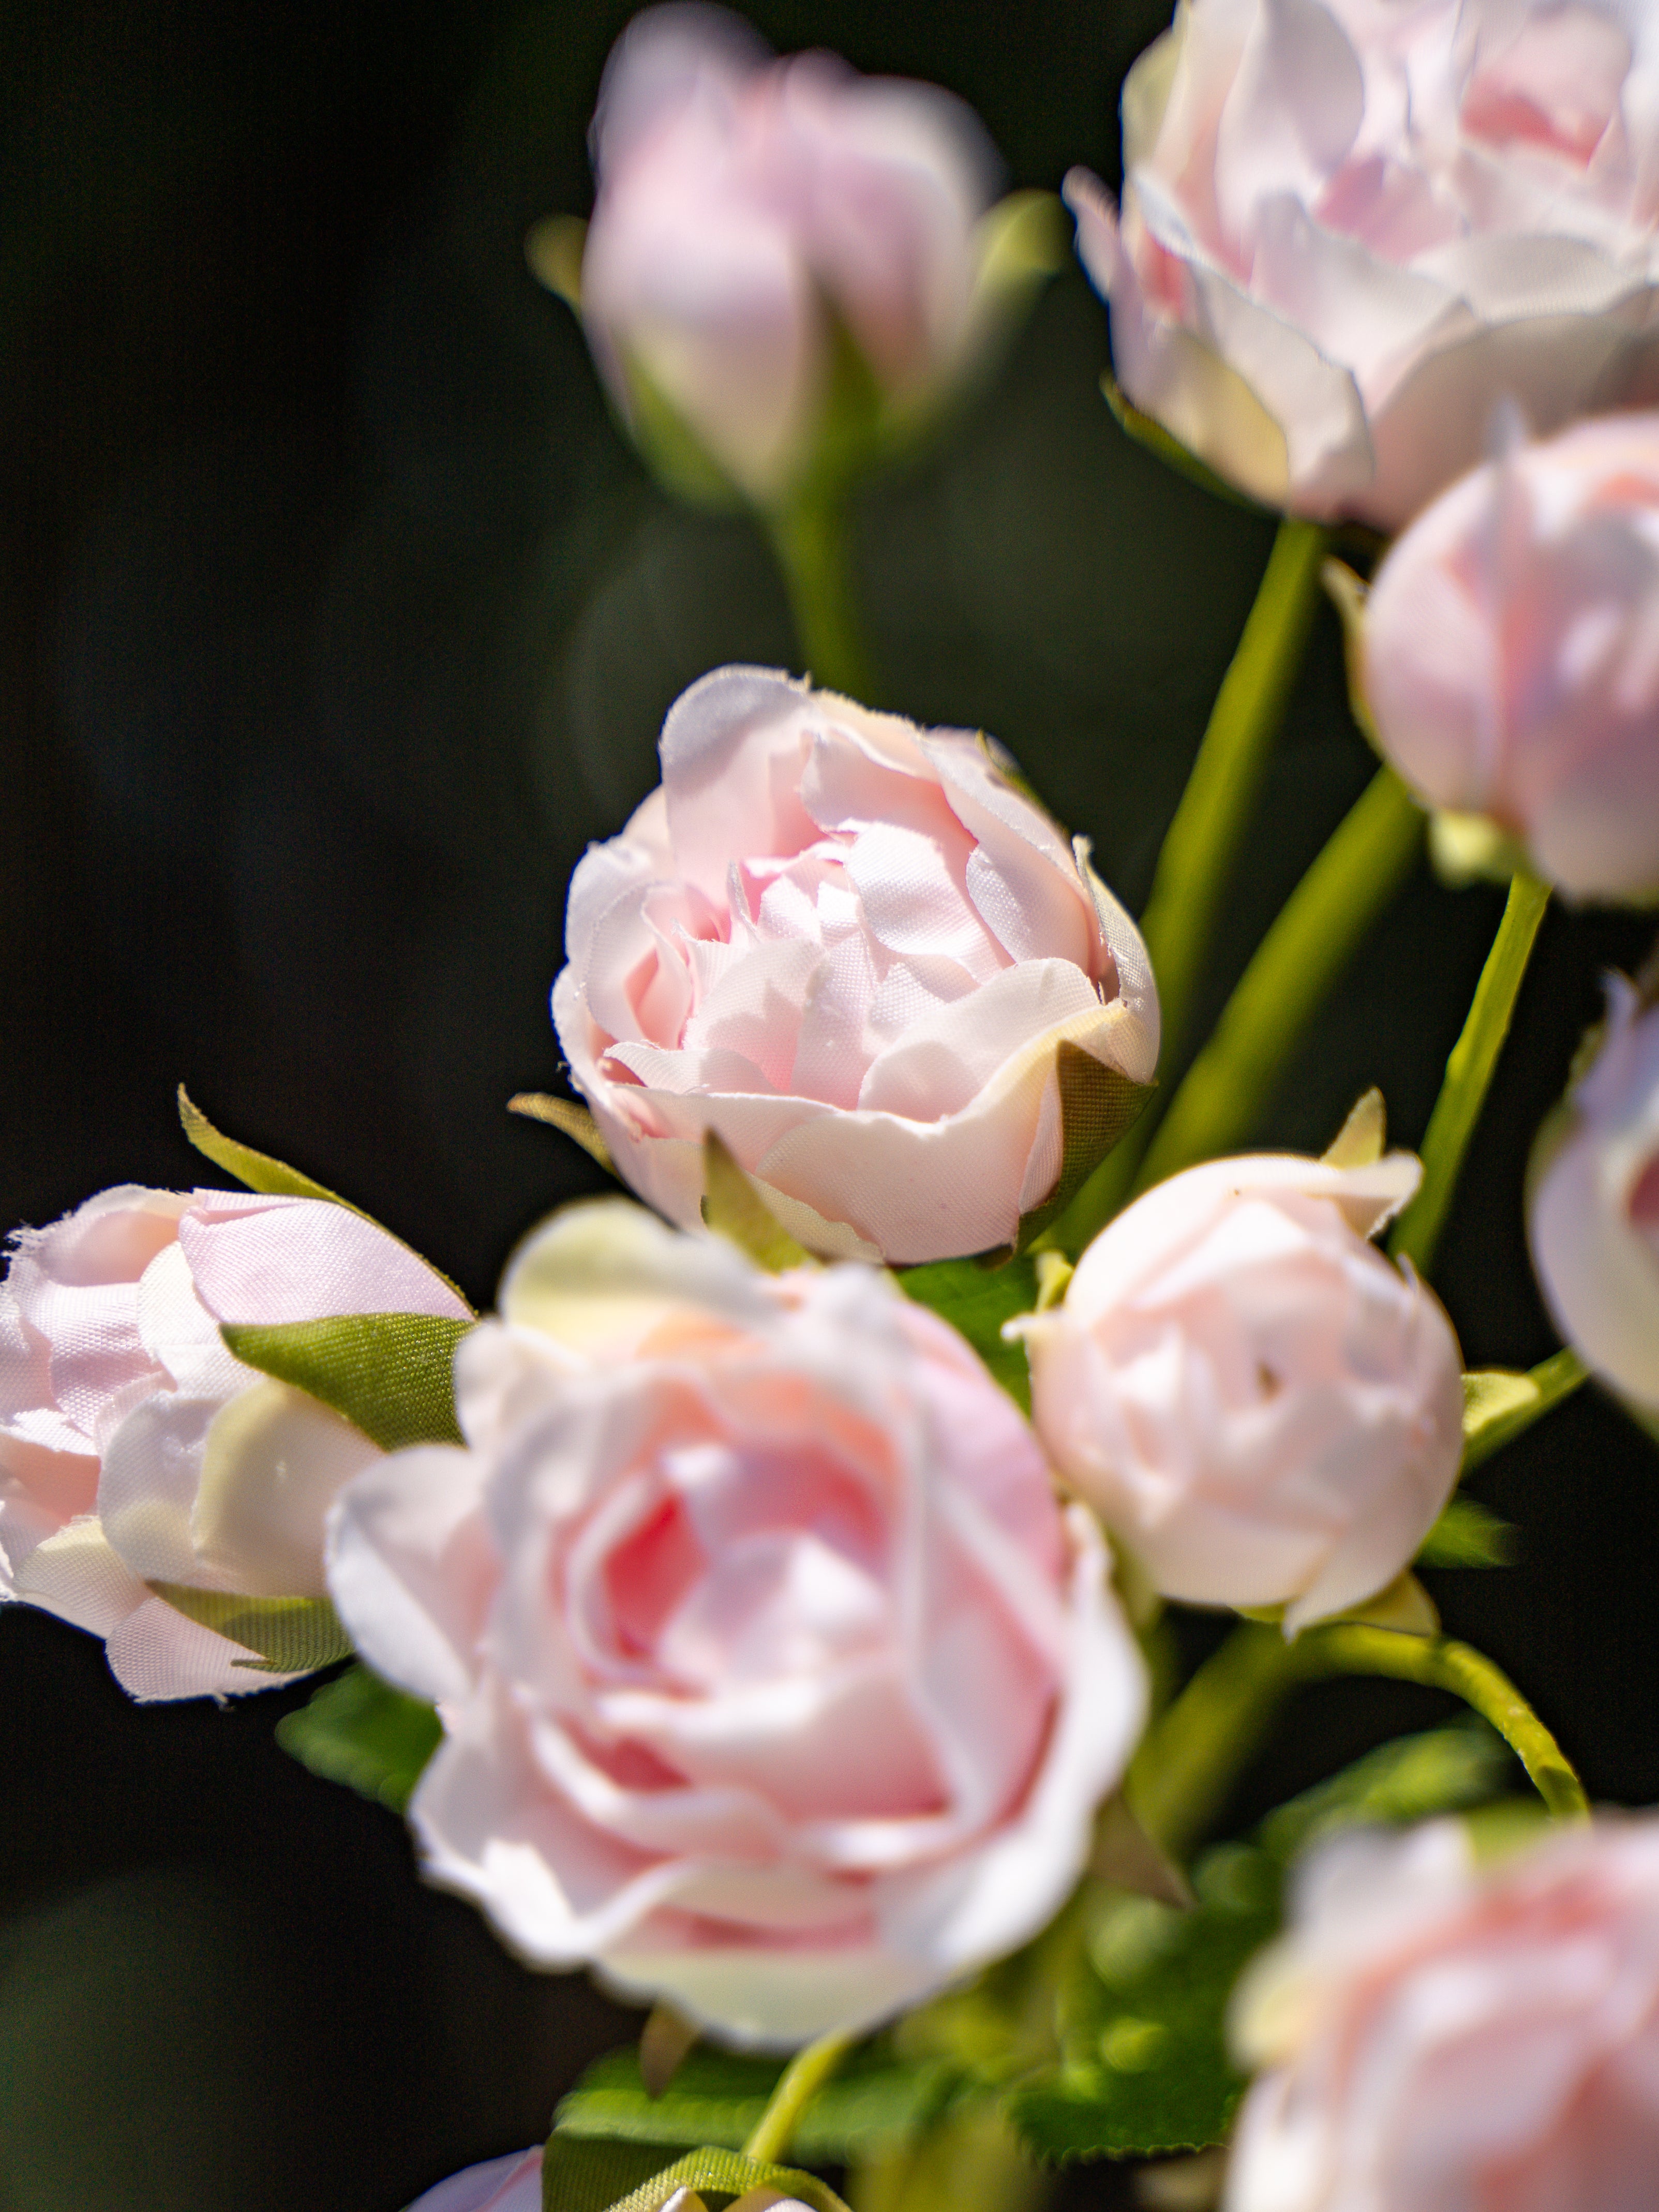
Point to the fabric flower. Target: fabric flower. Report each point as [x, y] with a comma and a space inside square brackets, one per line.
[1350, 228]
[513, 2183]
[774, 1681]
[754, 215]
[854, 948]
[1260, 1405]
[1593, 1212]
[1439, 2040]
[134, 1449]
[1512, 654]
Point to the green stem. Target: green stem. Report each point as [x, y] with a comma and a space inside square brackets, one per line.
[1322, 926]
[1469, 1073]
[1200, 846]
[1557, 1377]
[801, 2080]
[810, 538]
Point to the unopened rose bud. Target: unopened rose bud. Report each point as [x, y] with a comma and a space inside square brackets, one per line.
[1512, 654]
[1263, 1408]
[1594, 1211]
[513, 2183]
[781, 252]
[134, 1451]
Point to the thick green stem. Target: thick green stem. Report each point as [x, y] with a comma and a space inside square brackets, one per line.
[810, 539]
[801, 2080]
[1321, 927]
[1201, 848]
[1469, 1072]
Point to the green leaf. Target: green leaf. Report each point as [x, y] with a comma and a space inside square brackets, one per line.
[1498, 1403]
[577, 2170]
[391, 1374]
[258, 1170]
[576, 1121]
[292, 1635]
[873, 2103]
[1445, 1770]
[734, 1209]
[977, 1300]
[553, 247]
[1468, 1535]
[359, 1730]
[1097, 1105]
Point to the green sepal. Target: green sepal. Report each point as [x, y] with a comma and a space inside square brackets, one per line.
[392, 1375]
[734, 1209]
[553, 249]
[875, 2103]
[672, 448]
[977, 1301]
[359, 1730]
[292, 1635]
[578, 2173]
[1146, 431]
[1468, 1534]
[1498, 1403]
[258, 1170]
[576, 1121]
[1098, 1105]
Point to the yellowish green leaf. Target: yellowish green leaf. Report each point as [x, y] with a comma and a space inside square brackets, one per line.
[292, 1635]
[564, 1113]
[734, 1209]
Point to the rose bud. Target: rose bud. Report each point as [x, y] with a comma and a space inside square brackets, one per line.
[756, 221]
[1439, 2038]
[513, 2183]
[1592, 1208]
[855, 949]
[134, 1451]
[1348, 232]
[1263, 1408]
[1510, 658]
[774, 1681]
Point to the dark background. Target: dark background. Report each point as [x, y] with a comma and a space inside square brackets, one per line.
[335, 618]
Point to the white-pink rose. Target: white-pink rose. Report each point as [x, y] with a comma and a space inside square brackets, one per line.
[513, 2183]
[1441, 2039]
[774, 1679]
[1351, 227]
[1262, 1407]
[1593, 1209]
[134, 1449]
[746, 207]
[1511, 655]
[852, 947]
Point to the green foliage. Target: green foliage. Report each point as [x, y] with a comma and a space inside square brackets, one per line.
[580, 2174]
[875, 2102]
[734, 1209]
[1143, 2067]
[359, 1730]
[977, 1300]
[258, 1170]
[1097, 1106]
[564, 1113]
[390, 1374]
[1468, 1535]
[292, 1635]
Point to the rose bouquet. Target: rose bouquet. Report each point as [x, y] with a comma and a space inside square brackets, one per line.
[771, 1606]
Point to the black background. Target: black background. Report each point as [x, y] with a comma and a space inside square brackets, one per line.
[335, 618]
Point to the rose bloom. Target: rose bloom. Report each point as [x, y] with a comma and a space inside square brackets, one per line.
[1511, 655]
[1440, 2039]
[1351, 227]
[1593, 1209]
[746, 208]
[134, 1448]
[1261, 1406]
[774, 1681]
[853, 948]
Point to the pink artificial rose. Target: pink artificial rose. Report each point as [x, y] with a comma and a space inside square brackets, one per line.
[746, 207]
[1511, 655]
[1350, 228]
[1263, 1408]
[134, 1449]
[1592, 1206]
[774, 1679]
[513, 2183]
[1442, 2040]
[853, 948]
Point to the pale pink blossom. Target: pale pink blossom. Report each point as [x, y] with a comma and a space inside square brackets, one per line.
[774, 1681]
[134, 1448]
[1351, 227]
[852, 947]
[513, 2183]
[1438, 2039]
[1511, 655]
[1260, 1406]
[1593, 1209]
[746, 207]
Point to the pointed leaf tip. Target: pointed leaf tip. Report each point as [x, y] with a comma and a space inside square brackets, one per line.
[258, 1171]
